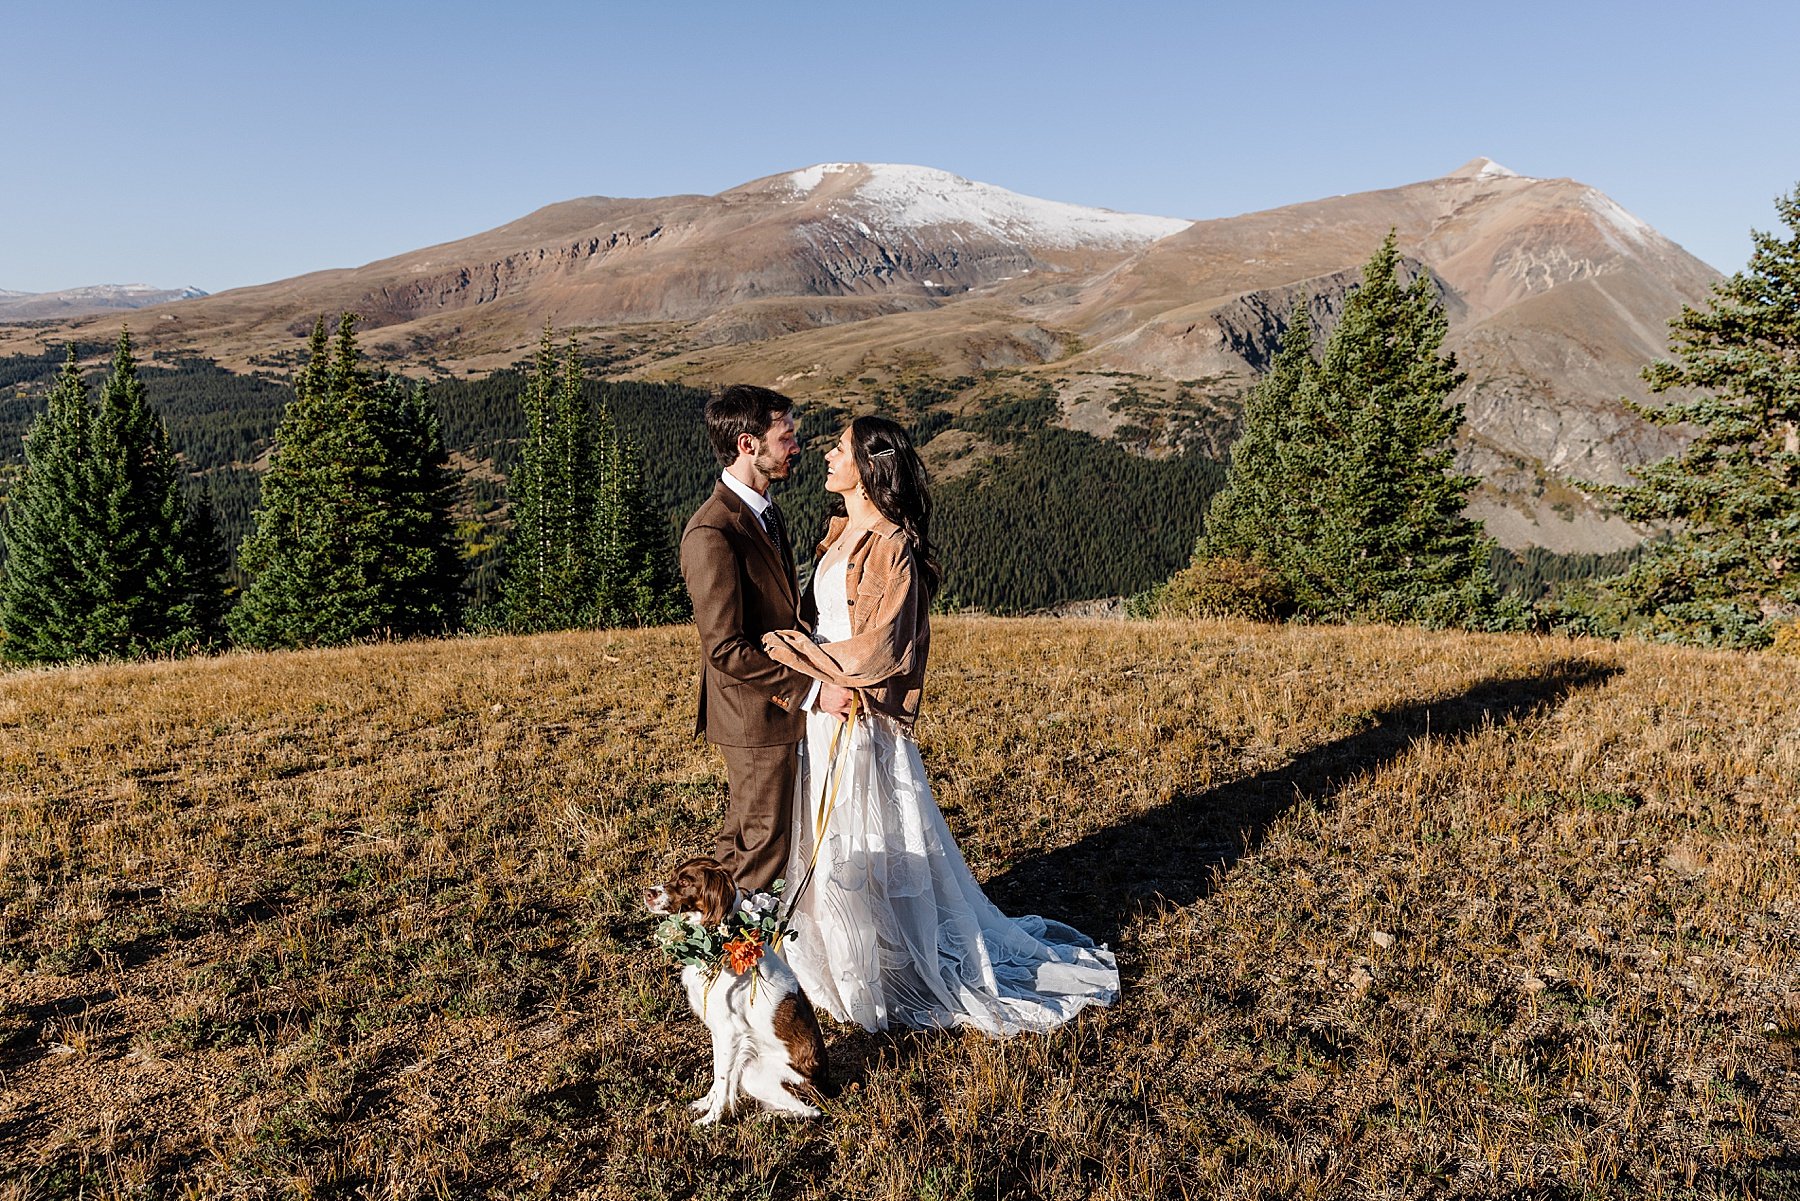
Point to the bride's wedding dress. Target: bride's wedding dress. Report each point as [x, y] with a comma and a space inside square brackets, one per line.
[893, 930]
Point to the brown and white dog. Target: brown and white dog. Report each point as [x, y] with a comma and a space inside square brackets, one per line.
[765, 1039]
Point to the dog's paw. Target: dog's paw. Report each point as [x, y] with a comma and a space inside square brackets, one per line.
[782, 1113]
[711, 1107]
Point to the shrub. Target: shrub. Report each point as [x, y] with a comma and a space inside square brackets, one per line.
[1784, 637]
[1225, 587]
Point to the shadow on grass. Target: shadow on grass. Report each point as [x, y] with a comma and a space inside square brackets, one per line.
[1173, 855]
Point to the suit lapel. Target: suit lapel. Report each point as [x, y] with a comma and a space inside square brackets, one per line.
[752, 529]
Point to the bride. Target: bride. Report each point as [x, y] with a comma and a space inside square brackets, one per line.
[892, 929]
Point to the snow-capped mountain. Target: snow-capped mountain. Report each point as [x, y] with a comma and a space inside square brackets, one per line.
[897, 199]
[97, 298]
[822, 246]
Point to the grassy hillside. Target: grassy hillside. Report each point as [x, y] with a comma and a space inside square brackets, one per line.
[1399, 914]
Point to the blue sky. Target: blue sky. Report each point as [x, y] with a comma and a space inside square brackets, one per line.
[222, 144]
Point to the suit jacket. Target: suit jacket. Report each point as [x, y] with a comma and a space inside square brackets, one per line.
[742, 588]
[890, 627]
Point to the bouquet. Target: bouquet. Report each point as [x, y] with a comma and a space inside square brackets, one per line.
[737, 944]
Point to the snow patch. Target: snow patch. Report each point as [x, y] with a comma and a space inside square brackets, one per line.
[1483, 168]
[901, 198]
[125, 291]
[1615, 219]
[805, 181]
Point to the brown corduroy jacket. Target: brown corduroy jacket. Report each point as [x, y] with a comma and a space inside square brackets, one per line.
[890, 629]
[742, 587]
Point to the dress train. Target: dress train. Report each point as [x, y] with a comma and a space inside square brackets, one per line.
[894, 930]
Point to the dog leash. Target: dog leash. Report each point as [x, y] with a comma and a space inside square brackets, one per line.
[840, 741]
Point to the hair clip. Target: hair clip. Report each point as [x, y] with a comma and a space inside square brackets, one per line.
[883, 454]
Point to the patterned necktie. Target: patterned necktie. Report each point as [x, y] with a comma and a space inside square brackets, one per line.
[777, 534]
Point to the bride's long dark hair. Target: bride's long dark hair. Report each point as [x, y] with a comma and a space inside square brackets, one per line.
[893, 476]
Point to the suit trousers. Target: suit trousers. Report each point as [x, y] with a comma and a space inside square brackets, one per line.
[759, 813]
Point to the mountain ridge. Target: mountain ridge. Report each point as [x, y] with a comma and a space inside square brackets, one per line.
[818, 279]
[93, 298]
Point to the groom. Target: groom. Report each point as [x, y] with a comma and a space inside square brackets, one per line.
[738, 558]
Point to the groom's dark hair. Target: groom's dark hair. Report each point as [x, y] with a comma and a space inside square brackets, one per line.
[741, 409]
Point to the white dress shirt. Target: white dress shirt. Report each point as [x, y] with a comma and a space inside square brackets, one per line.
[759, 504]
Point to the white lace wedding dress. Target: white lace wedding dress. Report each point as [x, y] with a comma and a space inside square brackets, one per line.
[893, 930]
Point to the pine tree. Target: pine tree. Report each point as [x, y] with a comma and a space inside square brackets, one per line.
[140, 511]
[303, 555]
[209, 566]
[96, 563]
[1394, 544]
[587, 548]
[550, 577]
[1267, 502]
[1731, 571]
[525, 575]
[352, 539]
[422, 572]
[47, 588]
[634, 555]
[1341, 481]
[572, 497]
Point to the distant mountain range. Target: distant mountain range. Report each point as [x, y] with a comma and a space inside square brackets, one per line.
[847, 282]
[80, 302]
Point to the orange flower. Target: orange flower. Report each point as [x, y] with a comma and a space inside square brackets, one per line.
[742, 952]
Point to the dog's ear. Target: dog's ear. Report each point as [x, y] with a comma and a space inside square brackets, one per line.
[717, 891]
[720, 892]
[704, 882]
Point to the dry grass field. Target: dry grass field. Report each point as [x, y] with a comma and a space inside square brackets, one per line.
[1399, 914]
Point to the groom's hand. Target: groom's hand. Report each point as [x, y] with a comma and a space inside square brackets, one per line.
[835, 701]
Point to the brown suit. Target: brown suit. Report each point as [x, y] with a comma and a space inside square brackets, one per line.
[750, 705]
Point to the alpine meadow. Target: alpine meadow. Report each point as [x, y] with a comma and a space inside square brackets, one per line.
[1399, 913]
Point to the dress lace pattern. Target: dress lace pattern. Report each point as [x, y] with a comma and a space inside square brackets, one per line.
[894, 930]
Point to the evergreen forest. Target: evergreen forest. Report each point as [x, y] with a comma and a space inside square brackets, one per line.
[1048, 515]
